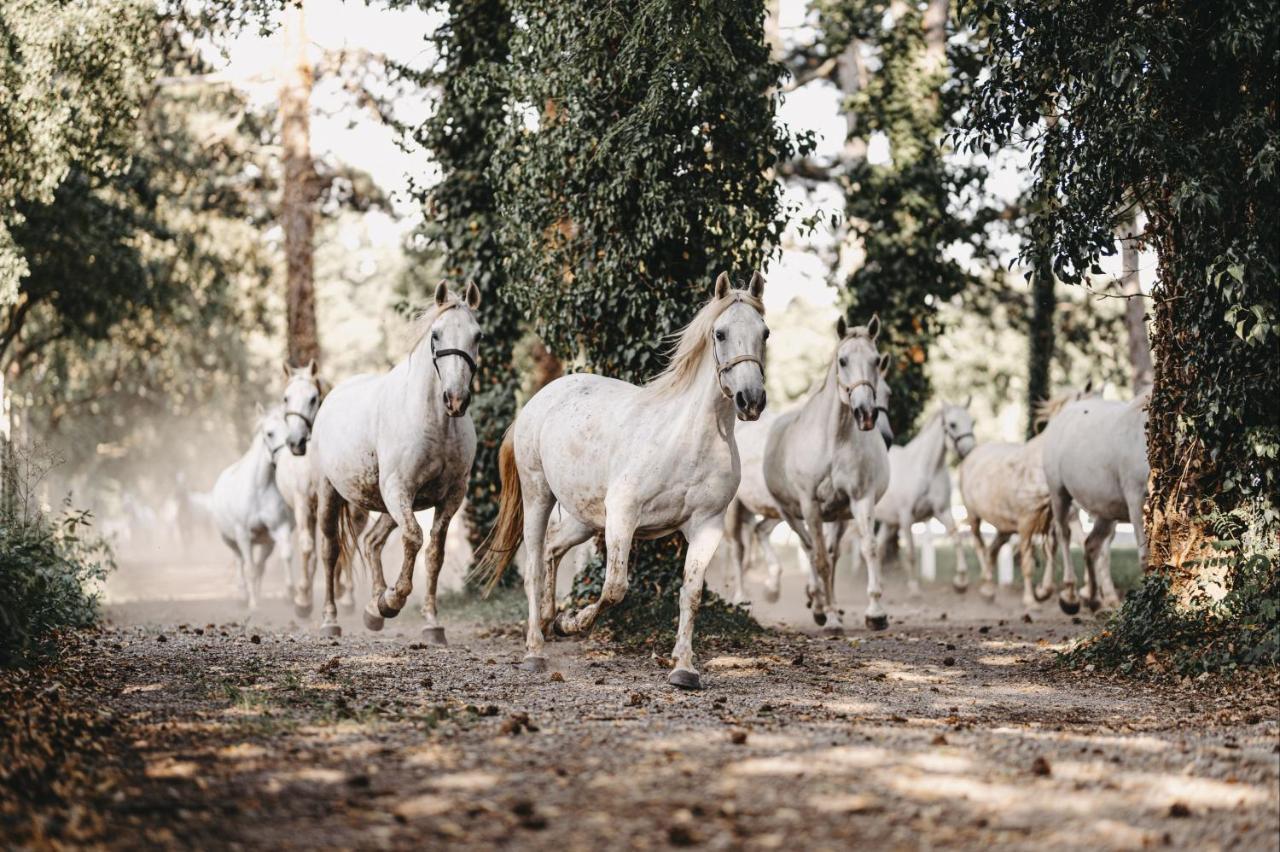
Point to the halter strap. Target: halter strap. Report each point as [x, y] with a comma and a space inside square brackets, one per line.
[271, 451]
[859, 383]
[304, 418]
[729, 365]
[437, 354]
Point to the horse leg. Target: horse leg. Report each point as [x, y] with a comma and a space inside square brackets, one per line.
[864, 521]
[433, 633]
[960, 582]
[240, 546]
[913, 566]
[987, 588]
[1097, 557]
[733, 534]
[563, 534]
[818, 558]
[538, 502]
[773, 583]
[400, 505]
[1136, 498]
[369, 545]
[992, 552]
[703, 539]
[307, 515]
[282, 538]
[346, 582]
[330, 504]
[1060, 503]
[619, 527]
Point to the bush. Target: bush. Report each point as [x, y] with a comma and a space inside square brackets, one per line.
[49, 567]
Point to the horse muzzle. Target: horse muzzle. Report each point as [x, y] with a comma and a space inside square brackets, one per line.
[298, 447]
[749, 404]
[865, 417]
[456, 404]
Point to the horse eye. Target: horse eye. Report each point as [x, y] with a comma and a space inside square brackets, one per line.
[842, 362]
[766, 334]
[719, 335]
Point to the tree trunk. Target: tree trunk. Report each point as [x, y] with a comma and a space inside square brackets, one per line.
[297, 207]
[1135, 308]
[1043, 305]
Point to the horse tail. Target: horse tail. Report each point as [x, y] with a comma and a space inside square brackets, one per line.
[348, 542]
[499, 546]
[1040, 523]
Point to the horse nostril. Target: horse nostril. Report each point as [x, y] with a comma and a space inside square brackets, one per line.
[763, 399]
[740, 399]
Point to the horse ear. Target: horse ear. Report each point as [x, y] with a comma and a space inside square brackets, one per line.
[873, 327]
[311, 367]
[722, 285]
[884, 363]
[1088, 387]
[288, 371]
[442, 293]
[258, 411]
[756, 287]
[842, 327]
[473, 295]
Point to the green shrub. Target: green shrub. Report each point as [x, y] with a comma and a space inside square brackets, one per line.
[49, 567]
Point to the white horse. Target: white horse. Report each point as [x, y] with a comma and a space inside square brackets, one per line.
[251, 516]
[826, 462]
[399, 443]
[754, 513]
[295, 477]
[635, 462]
[1004, 484]
[920, 488]
[1095, 456]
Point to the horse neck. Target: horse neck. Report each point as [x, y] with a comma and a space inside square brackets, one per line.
[930, 446]
[826, 407]
[702, 409]
[420, 386]
[260, 461]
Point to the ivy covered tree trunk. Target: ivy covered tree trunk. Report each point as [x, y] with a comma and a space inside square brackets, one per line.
[461, 215]
[1040, 341]
[297, 206]
[645, 172]
[900, 212]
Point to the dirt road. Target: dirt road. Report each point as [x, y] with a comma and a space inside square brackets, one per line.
[943, 731]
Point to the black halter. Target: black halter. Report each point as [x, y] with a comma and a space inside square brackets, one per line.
[437, 354]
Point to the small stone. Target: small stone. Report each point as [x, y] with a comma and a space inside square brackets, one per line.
[255, 639]
[635, 699]
[1026, 618]
[984, 629]
[939, 739]
[162, 638]
[556, 677]
[942, 617]
[1040, 767]
[682, 835]
[1179, 809]
[738, 736]
[949, 661]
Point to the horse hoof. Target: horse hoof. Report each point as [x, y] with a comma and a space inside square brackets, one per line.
[1094, 604]
[685, 679]
[960, 588]
[347, 607]
[557, 627]
[385, 609]
[988, 593]
[435, 636]
[819, 618]
[534, 665]
[331, 630]
[833, 630]
[371, 621]
[1069, 607]
[878, 622]
[302, 611]
[772, 593]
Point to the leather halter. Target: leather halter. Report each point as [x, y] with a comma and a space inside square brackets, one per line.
[271, 451]
[304, 418]
[437, 354]
[859, 383]
[729, 365]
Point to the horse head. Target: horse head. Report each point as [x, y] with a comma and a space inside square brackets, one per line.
[454, 336]
[738, 335]
[301, 401]
[858, 367]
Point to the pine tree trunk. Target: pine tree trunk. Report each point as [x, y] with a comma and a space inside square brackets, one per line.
[297, 207]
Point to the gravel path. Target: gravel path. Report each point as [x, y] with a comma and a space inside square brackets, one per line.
[942, 731]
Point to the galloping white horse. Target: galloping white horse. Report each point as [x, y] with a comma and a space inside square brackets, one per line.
[636, 462]
[920, 488]
[1004, 484]
[826, 462]
[1095, 456]
[396, 444]
[302, 394]
[753, 510]
[252, 518]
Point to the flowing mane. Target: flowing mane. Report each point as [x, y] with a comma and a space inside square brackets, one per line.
[690, 344]
[427, 318]
[1047, 409]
